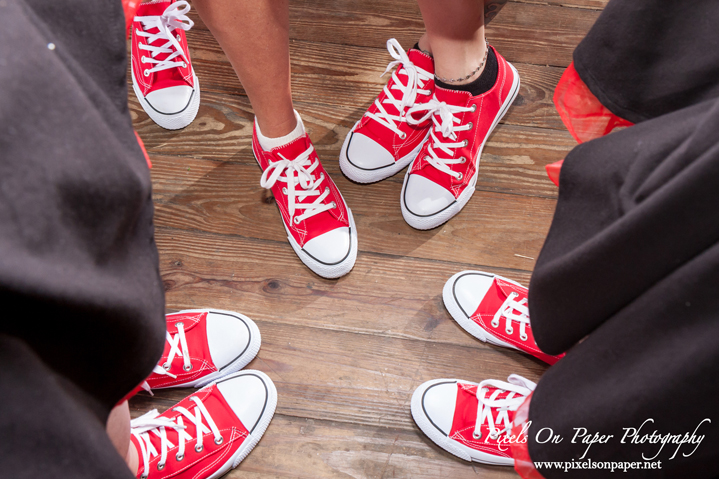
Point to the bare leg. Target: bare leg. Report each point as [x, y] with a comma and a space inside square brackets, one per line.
[455, 34]
[255, 37]
[118, 428]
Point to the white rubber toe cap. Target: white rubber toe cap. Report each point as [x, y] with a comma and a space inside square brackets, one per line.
[247, 393]
[331, 247]
[470, 288]
[365, 153]
[170, 100]
[423, 197]
[228, 337]
[438, 402]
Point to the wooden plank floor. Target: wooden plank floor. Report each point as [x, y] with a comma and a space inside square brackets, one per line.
[346, 355]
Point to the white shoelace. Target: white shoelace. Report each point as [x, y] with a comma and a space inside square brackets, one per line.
[181, 351]
[513, 311]
[153, 423]
[518, 387]
[172, 18]
[416, 79]
[446, 123]
[298, 172]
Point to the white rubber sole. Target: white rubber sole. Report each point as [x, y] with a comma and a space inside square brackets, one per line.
[256, 434]
[175, 121]
[443, 441]
[441, 217]
[240, 362]
[361, 175]
[462, 318]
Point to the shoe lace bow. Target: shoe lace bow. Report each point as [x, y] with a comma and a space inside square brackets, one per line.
[518, 388]
[171, 19]
[299, 172]
[446, 123]
[416, 79]
[513, 310]
[178, 348]
[154, 424]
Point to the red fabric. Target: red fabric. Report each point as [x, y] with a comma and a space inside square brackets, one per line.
[195, 326]
[315, 225]
[416, 134]
[492, 301]
[520, 450]
[553, 170]
[465, 416]
[130, 7]
[176, 76]
[144, 151]
[488, 106]
[582, 113]
[213, 455]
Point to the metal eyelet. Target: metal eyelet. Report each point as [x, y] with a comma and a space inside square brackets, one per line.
[402, 135]
[463, 160]
[334, 205]
[160, 466]
[179, 324]
[146, 72]
[179, 38]
[143, 59]
[219, 441]
[322, 176]
[474, 108]
[199, 448]
[187, 367]
[184, 65]
[471, 125]
[327, 189]
[143, 476]
[523, 337]
[297, 220]
[509, 330]
[166, 366]
[465, 143]
[284, 191]
[477, 436]
[495, 324]
[459, 178]
[179, 457]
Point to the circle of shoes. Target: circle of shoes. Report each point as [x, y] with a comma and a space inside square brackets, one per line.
[513, 395]
[417, 78]
[299, 172]
[172, 18]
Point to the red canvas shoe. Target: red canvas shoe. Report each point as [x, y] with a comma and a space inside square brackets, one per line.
[493, 309]
[472, 421]
[442, 178]
[208, 433]
[204, 345]
[382, 142]
[319, 224]
[162, 74]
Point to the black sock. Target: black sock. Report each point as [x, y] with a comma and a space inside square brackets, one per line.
[483, 84]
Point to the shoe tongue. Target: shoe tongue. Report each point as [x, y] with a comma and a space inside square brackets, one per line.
[422, 60]
[152, 8]
[293, 149]
[452, 97]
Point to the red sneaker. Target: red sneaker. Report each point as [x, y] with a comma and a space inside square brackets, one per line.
[162, 74]
[493, 309]
[204, 345]
[208, 433]
[441, 180]
[382, 142]
[319, 224]
[472, 421]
